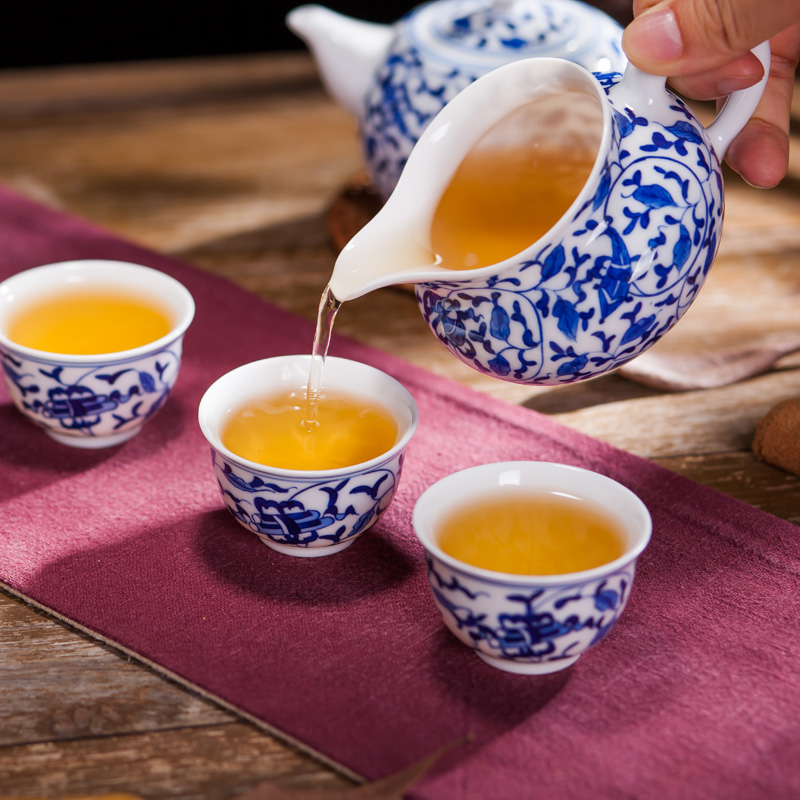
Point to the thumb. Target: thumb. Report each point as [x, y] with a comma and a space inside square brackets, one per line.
[686, 37]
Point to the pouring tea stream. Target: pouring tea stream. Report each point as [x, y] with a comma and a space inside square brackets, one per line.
[626, 254]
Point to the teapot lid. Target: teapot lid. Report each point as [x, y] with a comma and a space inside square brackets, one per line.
[489, 33]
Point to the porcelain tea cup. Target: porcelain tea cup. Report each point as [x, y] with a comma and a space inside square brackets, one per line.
[530, 624]
[305, 513]
[98, 400]
[395, 78]
[613, 274]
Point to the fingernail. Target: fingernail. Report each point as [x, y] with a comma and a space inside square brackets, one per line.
[654, 37]
[736, 84]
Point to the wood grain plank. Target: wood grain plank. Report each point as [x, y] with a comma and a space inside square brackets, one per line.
[171, 178]
[691, 423]
[210, 763]
[50, 92]
[742, 476]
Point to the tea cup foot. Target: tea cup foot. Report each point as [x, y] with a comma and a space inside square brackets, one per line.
[527, 667]
[309, 552]
[91, 442]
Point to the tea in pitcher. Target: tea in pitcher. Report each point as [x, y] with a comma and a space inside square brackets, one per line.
[89, 322]
[527, 533]
[273, 431]
[499, 203]
[518, 180]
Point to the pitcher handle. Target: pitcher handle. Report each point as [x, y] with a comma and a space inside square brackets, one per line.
[739, 106]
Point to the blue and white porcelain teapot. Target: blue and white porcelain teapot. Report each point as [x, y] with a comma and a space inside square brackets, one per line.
[395, 79]
[619, 266]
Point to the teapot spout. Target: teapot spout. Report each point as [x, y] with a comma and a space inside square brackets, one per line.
[347, 51]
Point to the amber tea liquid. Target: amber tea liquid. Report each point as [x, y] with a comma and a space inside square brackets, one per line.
[312, 427]
[528, 533]
[272, 431]
[499, 203]
[516, 183]
[81, 322]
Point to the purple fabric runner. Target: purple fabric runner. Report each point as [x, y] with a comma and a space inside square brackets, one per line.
[695, 694]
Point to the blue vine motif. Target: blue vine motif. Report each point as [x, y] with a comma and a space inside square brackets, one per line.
[440, 48]
[92, 400]
[306, 513]
[628, 267]
[529, 625]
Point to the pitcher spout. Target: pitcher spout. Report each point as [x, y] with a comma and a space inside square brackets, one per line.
[393, 248]
[347, 51]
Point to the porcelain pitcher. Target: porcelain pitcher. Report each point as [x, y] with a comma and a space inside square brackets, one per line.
[616, 271]
[395, 79]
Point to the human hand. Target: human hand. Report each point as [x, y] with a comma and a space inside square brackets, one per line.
[704, 47]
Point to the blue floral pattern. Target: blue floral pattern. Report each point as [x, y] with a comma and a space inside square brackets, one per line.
[306, 513]
[442, 47]
[92, 400]
[630, 264]
[518, 624]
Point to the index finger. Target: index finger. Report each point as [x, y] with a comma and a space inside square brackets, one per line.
[688, 37]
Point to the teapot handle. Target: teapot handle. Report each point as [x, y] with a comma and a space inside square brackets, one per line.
[738, 108]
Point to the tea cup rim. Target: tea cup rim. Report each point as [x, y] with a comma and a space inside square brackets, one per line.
[203, 414]
[423, 528]
[184, 305]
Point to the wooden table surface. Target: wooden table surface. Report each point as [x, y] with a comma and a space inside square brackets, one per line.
[232, 164]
